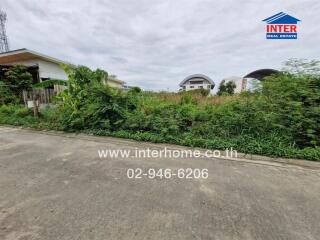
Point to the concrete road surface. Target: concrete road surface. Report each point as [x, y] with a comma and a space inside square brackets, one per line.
[55, 186]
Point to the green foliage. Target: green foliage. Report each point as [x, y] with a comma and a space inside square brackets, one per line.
[296, 104]
[186, 98]
[49, 83]
[15, 79]
[16, 115]
[280, 119]
[6, 94]
[135, 90]
[18, 78]
[203, 92]
[226, 88]
[89, 103]
[83, 76]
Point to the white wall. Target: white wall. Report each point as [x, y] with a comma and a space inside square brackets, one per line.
[46, 69]
[51, 70]
[114, 84]
[239, 83]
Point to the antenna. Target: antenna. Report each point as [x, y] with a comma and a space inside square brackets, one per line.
[4, 45]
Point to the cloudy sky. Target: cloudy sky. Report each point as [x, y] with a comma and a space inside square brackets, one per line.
[154, 44]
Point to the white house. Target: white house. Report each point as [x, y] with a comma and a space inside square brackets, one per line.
[196, 81]
[43, 67]
[48, 67]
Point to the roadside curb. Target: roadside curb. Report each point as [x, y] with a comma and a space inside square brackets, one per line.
[291, 161]
[241, 157]
[279, 162]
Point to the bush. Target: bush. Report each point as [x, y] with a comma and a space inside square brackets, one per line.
[226, 88]
[6, 95]
[88, 103]
[279, 119]
[295, 102]
[18, 78]
[15, 79]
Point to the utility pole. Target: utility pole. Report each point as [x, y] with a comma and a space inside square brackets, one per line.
[4, 45]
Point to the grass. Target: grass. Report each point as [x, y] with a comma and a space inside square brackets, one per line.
[272, 146]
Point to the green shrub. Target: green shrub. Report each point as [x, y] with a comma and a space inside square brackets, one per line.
[295, 102]
[16, 115]
[18, 78]
[280, 118]
[88, 103]
[15, 79]
[226, 88]
[6, 94]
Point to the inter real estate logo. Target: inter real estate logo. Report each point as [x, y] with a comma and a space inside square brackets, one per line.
[281, 26]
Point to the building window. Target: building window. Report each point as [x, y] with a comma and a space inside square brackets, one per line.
[196, 82]
[191, 87]
[200, 86]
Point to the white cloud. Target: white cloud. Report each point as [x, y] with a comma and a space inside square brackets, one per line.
[155, 44]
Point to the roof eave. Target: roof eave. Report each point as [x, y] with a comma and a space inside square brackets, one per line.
[196, 75]
[36, 54]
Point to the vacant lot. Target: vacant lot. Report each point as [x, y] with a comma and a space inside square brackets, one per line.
[54, 186]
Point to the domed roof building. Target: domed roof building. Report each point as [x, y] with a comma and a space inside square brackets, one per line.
[196, 81]
[261, 73]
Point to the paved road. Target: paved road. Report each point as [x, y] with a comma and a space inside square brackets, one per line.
[56, 187]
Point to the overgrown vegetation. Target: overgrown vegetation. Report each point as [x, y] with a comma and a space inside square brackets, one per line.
[12, 82]
[281, 118]
[226, 88]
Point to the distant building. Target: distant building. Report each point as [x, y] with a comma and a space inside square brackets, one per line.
[247, 82]
[256, 76]
[196, 81]
[260, 74]
[112, 81]
[241, 83]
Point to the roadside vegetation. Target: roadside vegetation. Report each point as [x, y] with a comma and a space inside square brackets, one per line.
[280, 117]
[13, 82]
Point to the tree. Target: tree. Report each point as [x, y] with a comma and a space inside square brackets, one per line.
[226, 88]
[302, 66]
[18, 78]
